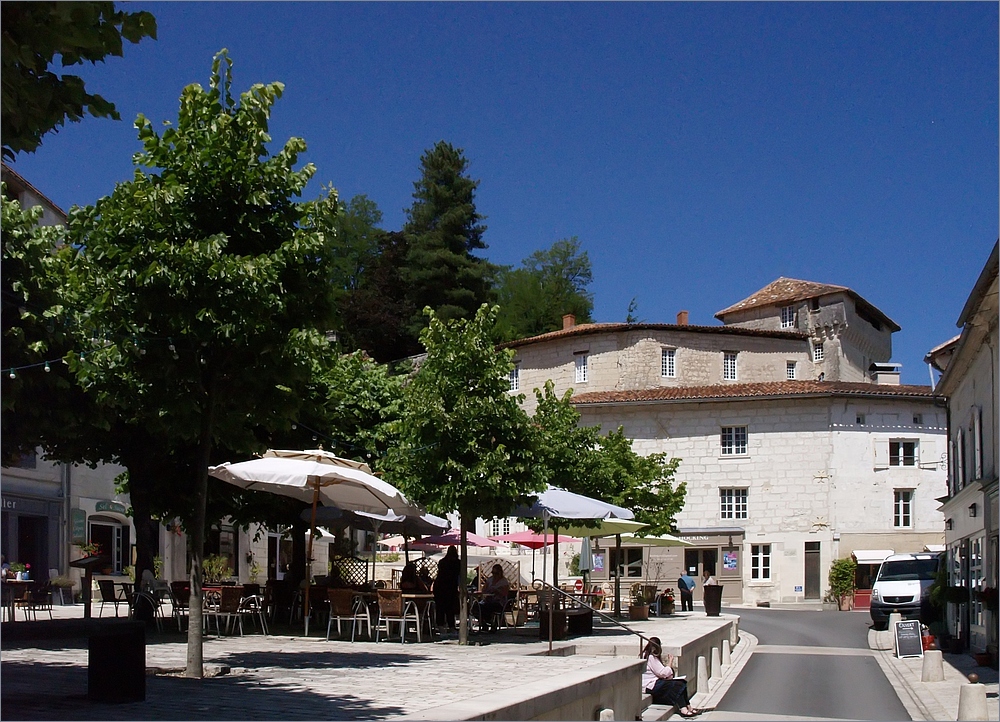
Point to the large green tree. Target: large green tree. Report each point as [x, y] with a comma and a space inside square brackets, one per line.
[465, 443]
[204, 286]
[443, 230]
[35, 100]
[549, 284]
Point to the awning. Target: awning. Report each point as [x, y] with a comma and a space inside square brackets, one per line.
[871, 556]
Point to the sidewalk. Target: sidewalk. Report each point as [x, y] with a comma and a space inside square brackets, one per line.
[936, 700]
[291, 677]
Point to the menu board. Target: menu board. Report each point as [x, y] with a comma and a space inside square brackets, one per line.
[908, 642]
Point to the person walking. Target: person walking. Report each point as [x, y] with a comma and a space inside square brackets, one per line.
[686, 585]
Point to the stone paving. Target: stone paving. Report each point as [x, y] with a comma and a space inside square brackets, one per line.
[291, 677]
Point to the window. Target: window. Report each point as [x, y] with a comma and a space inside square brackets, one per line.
[734, 440]
[789, 369]
[814, 304]
[860, 420]
[760, 561]
[977, 442]
[668, 363]
[902, 508]
[581, 368]
[818, 351]
[630, 564]
[902, 453]
[733, 503]
[787, 316]
[499, 526]
[918, 419]
[729, 365]
[515, 377]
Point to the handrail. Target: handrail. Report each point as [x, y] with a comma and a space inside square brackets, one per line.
[540, 584]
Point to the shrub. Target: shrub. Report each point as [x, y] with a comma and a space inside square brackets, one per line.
[842, 573]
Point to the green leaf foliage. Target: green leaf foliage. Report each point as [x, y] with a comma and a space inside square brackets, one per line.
[35, 100]
[842, 576]
[443, 230]
[549, 284]
[465, 443]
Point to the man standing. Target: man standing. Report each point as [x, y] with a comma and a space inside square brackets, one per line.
[686, 584]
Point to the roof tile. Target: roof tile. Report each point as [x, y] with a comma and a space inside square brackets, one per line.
[757, 390]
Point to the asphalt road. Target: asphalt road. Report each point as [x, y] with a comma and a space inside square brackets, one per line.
[809, 665]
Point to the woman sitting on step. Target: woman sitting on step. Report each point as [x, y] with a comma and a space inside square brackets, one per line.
[659, 680]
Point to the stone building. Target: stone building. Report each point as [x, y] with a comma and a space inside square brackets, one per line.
[968, 365]
[798, 445]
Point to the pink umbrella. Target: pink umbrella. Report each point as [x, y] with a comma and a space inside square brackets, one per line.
[532, 539]
[454, 537]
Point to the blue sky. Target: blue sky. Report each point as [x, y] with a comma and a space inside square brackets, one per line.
[698, 150]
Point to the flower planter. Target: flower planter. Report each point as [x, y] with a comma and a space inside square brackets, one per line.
[712, 596]
[638, 612]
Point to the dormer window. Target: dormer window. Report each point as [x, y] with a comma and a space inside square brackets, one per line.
[813, 304]
[788, 317]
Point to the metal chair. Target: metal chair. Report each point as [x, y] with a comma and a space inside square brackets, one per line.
[344, 606]
[180, 601]
[109, 595]
[393, 611]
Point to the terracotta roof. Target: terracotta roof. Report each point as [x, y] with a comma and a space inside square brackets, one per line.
[13, 178]
[772, 389]
[789, 290]
[585, 329]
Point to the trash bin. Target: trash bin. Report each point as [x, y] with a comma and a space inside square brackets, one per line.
[713, 599]
[116, 667]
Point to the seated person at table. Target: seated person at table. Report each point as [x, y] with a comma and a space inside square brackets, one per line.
[410, 582]
[496, 589]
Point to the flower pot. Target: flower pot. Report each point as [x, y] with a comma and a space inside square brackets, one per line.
[638, 612]
[846, 602]
[983, 659]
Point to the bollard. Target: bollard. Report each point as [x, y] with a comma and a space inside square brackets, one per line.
[716, 665]
[727, 656]
[933, 666]
[607, 714]
[972, 700]
[702, 675]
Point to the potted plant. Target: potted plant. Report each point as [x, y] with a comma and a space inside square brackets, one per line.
[667, 602]
[638, 608]
[216, 567]
[841, 577]
[19, 570]
[89, 549]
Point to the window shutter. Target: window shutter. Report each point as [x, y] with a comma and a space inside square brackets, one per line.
[881, 449]
[977, 441]
[928, 454]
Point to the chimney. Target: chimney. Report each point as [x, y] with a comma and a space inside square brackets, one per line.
[682, 318]
[569, 321]
[885, 374]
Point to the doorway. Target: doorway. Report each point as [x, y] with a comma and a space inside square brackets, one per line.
[812, 573]
[697, 561]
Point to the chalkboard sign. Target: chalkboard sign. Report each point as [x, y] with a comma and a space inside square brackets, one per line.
[908, 642]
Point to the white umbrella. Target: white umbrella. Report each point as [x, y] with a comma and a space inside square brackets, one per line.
[313, 476]
[560, 503]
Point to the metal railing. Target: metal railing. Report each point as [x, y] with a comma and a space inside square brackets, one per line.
[540, 585]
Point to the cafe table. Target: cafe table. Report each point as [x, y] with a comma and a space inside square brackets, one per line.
[13, 590]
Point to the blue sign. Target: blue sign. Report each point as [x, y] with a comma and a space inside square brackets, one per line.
[798, 589]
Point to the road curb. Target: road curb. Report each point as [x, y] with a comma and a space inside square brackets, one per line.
[741, 654]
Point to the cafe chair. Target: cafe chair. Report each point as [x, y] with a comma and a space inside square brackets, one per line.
[253, 605]
[344, 608]
[142, 605]
[226, 603]
[109, 595]
[180, 601]
[393, 611]
[35, 600]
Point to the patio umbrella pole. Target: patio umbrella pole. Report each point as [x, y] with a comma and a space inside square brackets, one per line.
[309, 555]
[618, 575]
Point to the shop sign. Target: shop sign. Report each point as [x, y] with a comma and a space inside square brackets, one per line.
[113, 506]
[9, 504]
[78, 525]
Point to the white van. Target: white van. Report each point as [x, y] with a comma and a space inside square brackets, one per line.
[902, 585]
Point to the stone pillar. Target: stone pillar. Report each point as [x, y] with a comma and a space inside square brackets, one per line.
[727, 658]
[716, 666]
[607, 714]
[933, 666]
[702, 675]
[972, 702]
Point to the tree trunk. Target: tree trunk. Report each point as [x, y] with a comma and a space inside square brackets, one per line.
[140, 482]
[195, 651]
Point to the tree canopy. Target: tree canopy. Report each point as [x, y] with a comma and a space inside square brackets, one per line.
[203, 287]
[549, 284]
[443, 229]
[35, 100]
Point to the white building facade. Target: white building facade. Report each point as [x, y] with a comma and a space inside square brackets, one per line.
[797, 443]
[969, 381]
